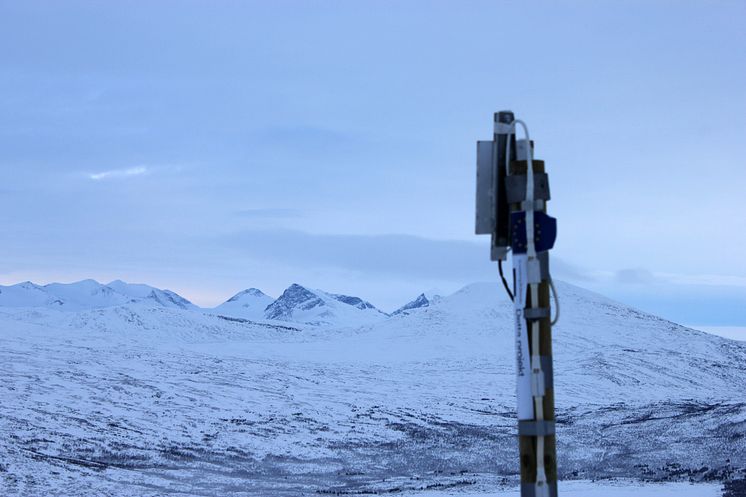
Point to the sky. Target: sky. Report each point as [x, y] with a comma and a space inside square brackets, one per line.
[208, 147]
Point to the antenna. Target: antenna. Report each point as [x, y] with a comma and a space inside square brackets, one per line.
[512, 195]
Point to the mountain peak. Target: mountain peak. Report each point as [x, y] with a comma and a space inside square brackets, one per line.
[250, 292]
[298, 303]
[27, 284]
[246, 304]
[418, 303]
[295, 287]
[294, 297]
[298, 293]
[167, 298]
[87, 284]
[141, 292]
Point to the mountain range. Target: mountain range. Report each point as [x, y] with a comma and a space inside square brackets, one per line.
[124, 389]
[297, 303]
[87, 294]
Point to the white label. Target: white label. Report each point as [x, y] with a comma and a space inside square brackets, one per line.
[533, 270]
[522, 353]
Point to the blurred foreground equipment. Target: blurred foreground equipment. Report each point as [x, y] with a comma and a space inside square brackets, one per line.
[512, 195]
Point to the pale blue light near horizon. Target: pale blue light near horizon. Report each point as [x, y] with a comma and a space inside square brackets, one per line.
[212, 147]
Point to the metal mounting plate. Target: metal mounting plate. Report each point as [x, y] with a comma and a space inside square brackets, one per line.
[485, 221]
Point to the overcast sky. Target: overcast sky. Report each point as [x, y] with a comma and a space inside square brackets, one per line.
[208, 147]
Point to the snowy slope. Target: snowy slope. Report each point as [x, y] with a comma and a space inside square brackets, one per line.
[143, 400]
[316, 307]
[84, 294]
[248, 304]
[600, 345]
[27, 294]
[140, 292]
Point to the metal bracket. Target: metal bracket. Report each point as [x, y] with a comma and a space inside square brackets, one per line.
[486, 182]
[536, 313]
[515, 187]
[545, 232]
[549, 489]
[536, 428]
[498, 253]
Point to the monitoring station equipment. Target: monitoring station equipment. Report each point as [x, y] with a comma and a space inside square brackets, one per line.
[512, 196]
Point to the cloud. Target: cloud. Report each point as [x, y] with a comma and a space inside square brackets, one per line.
[405, 258]
[399, 255]
[119, 173]
[565, 270]
[635, 276]
[704, 279]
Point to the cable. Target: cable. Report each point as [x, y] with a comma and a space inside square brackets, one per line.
[556, 302]
[541, 476]
[530, 245]
[505, 282]
[528, 208]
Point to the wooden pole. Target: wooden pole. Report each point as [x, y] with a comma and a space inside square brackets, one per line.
[506, 201]
[528, 443]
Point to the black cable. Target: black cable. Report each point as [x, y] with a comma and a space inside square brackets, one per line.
[502, 276]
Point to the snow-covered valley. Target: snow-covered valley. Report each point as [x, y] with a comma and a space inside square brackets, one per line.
[136, 392]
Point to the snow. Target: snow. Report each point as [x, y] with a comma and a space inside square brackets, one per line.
[87, 294]
[136, 292]
[145, 399]
[26, 294]
[247, 304]
[584, 488]
[316, 307]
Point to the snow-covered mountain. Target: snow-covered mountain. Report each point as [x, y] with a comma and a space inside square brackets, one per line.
[247, 304]
[600, 345]
[317, 307]
[166, 400]
[297, 303]
[422, 300]
[27, 294]
[147, 293]
[87, 294]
